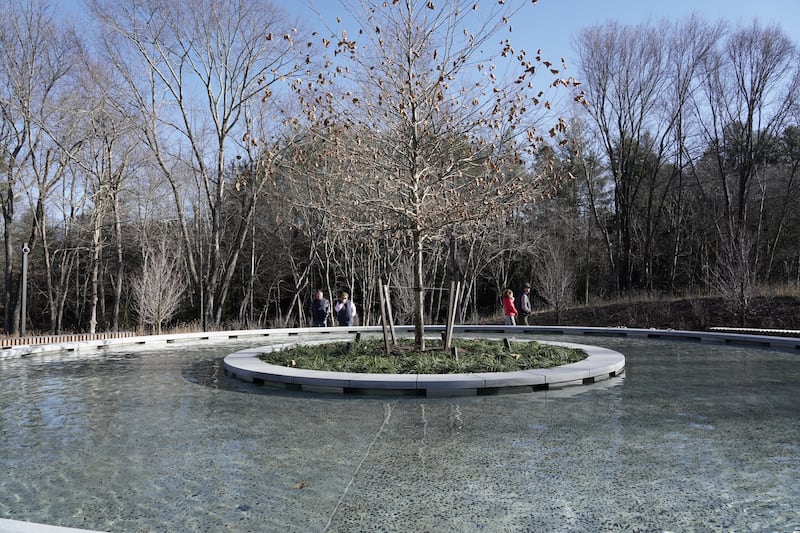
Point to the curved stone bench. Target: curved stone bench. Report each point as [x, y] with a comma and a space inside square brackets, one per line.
[601, 363]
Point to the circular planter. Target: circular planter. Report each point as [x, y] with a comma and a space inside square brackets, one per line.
[601, 363]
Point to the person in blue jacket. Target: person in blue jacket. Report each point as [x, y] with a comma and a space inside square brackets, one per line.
[320, 308]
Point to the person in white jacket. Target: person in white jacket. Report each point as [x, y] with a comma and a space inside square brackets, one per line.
[345, 310]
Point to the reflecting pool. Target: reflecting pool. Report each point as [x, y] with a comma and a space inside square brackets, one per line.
[691, 437]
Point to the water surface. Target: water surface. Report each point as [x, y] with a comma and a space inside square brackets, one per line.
[691, 437]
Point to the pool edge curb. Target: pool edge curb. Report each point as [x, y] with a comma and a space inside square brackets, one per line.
[790, 344]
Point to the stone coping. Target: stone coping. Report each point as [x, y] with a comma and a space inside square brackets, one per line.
[601, 363]
[772, 342]
[17, 526]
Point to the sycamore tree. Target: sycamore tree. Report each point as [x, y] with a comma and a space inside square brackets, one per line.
[199, 75]
[37, 56]
[430, 115]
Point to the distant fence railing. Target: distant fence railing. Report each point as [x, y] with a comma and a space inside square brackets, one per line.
[758, 331]
[8, 342]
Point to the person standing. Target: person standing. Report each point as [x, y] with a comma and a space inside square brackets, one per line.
[525, 303]
[345, 310]
[509, 310]
[320, 308]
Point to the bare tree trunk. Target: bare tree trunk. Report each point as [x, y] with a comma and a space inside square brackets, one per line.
[9, 300]
[102, 312]
[97, 236]
[120, 267]
[8, 277]
[588, 258]
[60, 296]
[419, 294]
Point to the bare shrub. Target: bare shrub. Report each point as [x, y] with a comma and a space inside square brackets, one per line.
[734, 275]
[159, 288]
[555, 276]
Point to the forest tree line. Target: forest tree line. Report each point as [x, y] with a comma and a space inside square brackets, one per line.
[178, 166]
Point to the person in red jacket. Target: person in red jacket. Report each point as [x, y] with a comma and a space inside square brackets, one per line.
[509, 310]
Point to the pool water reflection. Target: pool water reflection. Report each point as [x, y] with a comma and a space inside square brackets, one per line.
[692, 436]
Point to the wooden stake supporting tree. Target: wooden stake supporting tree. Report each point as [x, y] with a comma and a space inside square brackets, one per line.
[385, 314]
[452, 308]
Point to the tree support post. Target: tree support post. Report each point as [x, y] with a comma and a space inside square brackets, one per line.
[389, 314]
[455, 290]
[382, 295]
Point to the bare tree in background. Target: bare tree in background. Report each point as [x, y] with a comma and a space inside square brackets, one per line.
[159, 288]
[49, 171]
[640, 84]
[624, 70]
[428, 133]
[734, 273]
[690, 45]
[109, 156]
[34, 59]
[751, 85]
[196, 75]
[52, 181]
[555, 276]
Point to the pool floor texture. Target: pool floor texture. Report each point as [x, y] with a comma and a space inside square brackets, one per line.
[694, 436]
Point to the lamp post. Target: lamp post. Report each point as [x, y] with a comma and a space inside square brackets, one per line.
[24, 309]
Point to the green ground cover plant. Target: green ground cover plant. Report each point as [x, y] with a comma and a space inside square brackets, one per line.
[473, 355]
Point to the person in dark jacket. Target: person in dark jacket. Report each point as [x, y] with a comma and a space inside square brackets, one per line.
[320, 308]
[524, 303]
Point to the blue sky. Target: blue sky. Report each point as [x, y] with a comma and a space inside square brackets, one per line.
[552, 24]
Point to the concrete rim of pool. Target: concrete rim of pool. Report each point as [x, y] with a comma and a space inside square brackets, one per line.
[601, 363]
